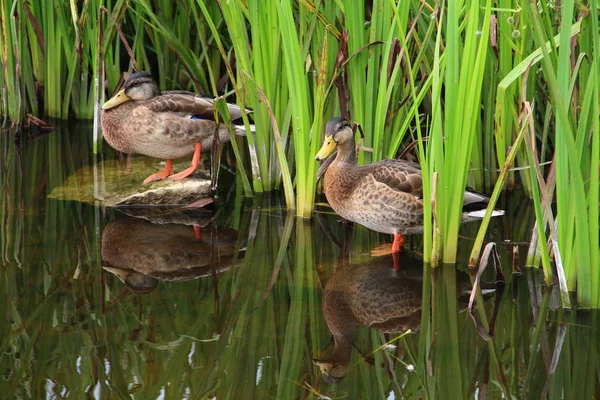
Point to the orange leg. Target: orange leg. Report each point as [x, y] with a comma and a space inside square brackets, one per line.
[398, 244]
[396, 258]
[195, 162]
[397, 247]
[161, 175]
[196, 232]
[200, 203]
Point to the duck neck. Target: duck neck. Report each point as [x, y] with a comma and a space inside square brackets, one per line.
[342, 349]
[346, 153]
[341, 324]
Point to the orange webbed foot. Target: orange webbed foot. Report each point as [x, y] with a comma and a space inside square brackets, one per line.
[387, 249]
[383, 250]
[161, 175]
[183, 174]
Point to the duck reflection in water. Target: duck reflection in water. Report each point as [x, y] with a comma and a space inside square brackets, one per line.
[141, 253]
[378, 296]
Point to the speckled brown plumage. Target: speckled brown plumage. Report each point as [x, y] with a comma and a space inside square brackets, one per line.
[384, 196]
[159, 124]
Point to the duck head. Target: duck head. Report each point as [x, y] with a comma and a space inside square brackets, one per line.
[338, 132]
[331, 370]
[137, 87]
[135, 281]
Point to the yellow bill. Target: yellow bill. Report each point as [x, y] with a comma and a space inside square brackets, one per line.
[326, 149]
[117, 99]
[120, 273]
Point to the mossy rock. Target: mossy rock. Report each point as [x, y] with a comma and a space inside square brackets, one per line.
[181, 215]
[119, 183]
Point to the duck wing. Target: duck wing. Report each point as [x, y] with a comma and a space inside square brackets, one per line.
[405, 176]
[398, 175]
[188, 103]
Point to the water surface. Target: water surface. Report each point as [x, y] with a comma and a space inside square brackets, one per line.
[245, 302]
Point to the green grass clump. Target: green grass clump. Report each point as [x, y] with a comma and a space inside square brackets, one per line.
[457, 73]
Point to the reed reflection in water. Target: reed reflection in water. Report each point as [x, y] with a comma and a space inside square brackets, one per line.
[252, 327]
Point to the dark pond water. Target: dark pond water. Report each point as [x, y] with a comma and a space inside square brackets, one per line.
[252, 303]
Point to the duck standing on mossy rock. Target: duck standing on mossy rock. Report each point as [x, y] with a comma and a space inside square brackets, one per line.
[385, 196]
[173, 124]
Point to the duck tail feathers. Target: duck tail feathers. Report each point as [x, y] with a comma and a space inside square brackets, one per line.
[240, 130]
[481, 213]
[472, 197]
[235, 111]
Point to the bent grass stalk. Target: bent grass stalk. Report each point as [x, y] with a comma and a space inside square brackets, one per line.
[504, 172]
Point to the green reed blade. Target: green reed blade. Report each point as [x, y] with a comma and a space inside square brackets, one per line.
[594, 180]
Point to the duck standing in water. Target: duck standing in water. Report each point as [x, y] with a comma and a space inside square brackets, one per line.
[172, 124]
[385, 196]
